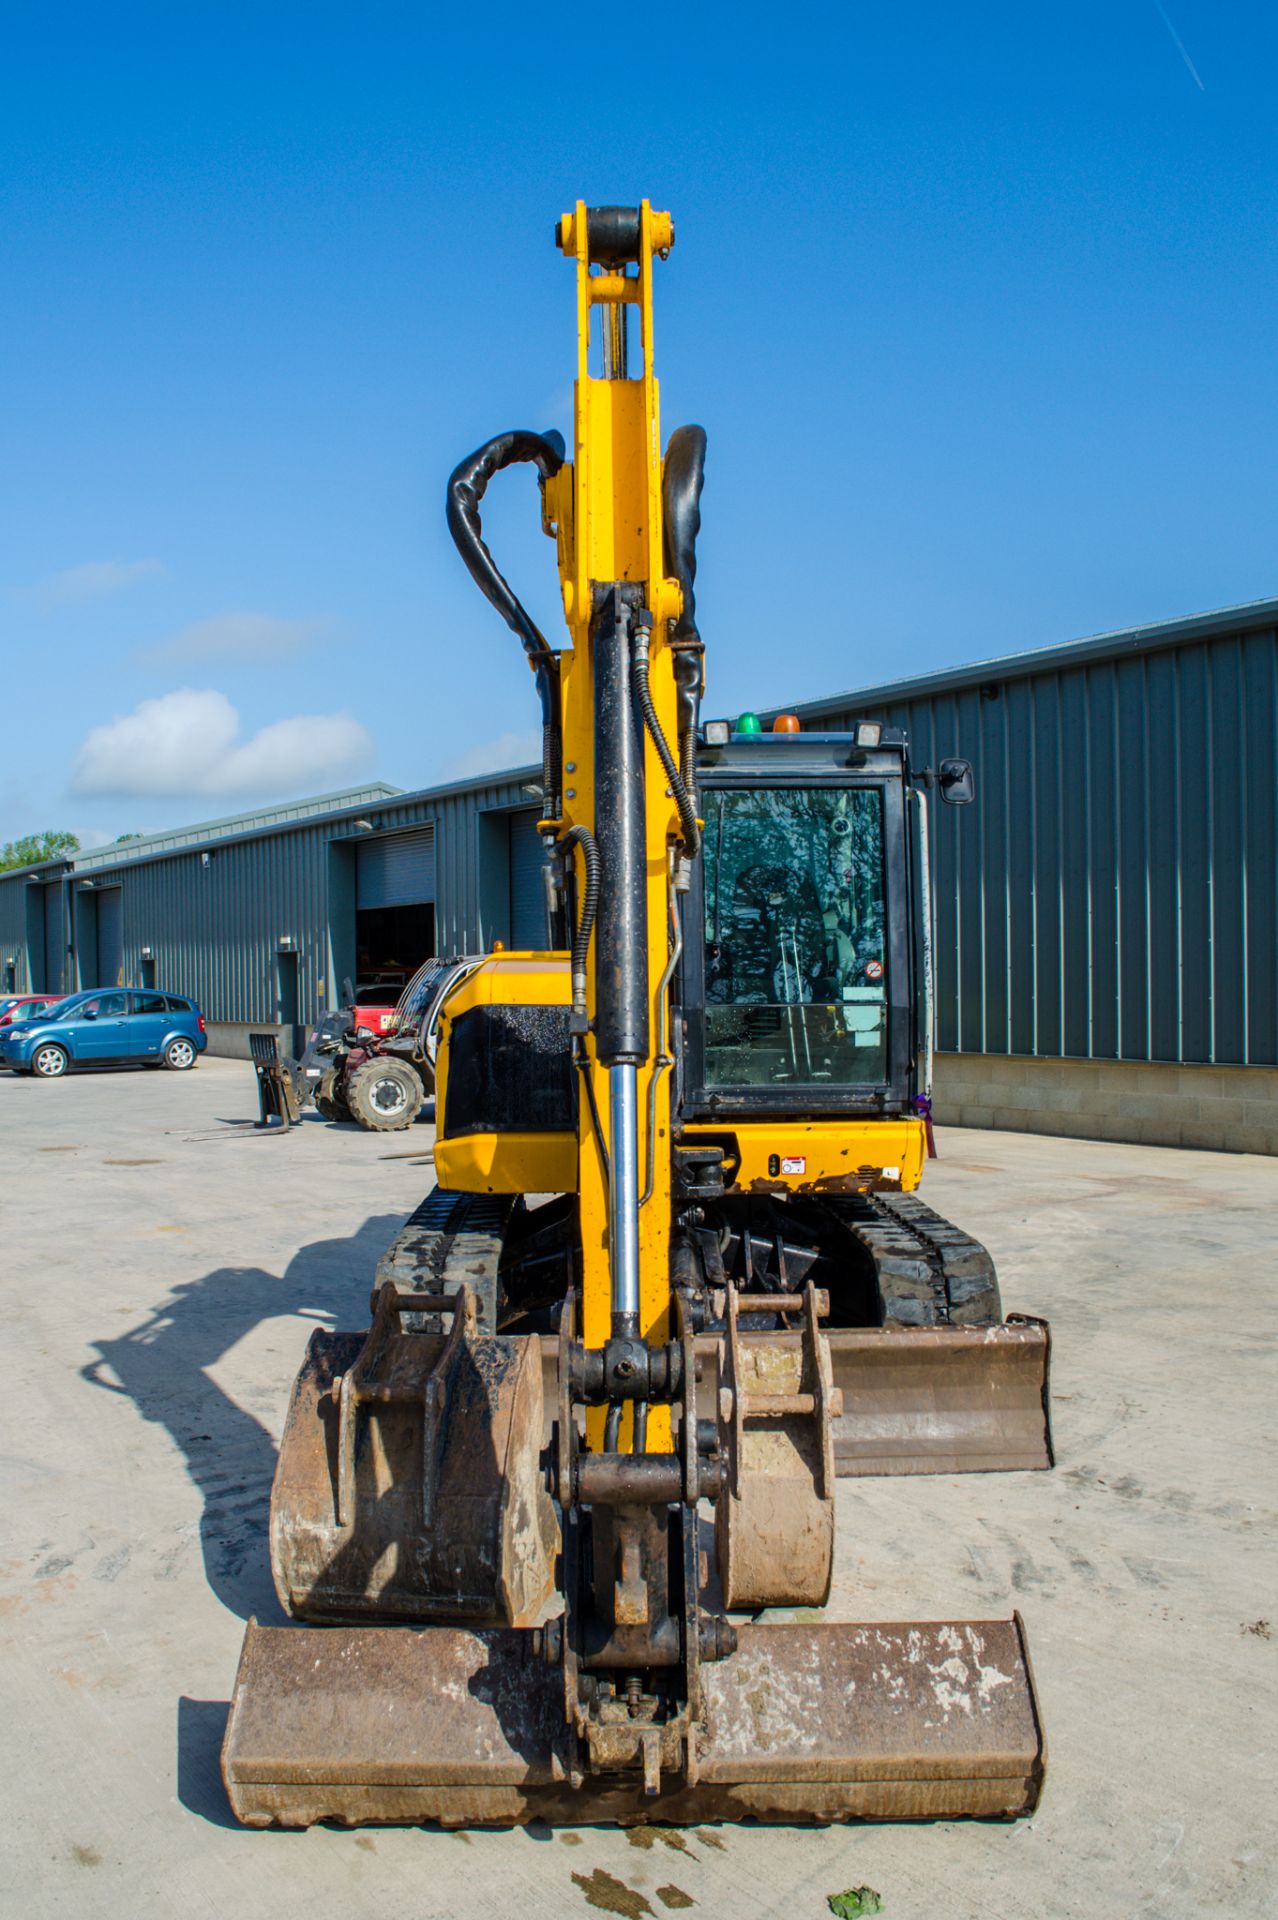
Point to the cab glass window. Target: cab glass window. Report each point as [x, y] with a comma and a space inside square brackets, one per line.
[149, 1003]
[795, 943]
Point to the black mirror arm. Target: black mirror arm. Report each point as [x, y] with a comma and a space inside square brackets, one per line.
[954, 780]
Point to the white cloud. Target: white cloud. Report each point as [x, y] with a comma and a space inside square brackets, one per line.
[94, 580]
[188, 743]
[495, 756]
[235, 636]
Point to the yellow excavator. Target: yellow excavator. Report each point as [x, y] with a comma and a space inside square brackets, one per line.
[540, 1516]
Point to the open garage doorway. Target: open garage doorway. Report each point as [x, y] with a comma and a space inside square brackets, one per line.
[394, 907]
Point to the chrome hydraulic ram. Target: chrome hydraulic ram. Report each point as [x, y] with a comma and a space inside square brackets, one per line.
[622, 1021]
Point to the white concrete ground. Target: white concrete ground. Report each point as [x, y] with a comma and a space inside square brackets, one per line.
[161, 1264]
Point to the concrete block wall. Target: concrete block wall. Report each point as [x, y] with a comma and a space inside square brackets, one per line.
[229, 1039]
[1234, 1109]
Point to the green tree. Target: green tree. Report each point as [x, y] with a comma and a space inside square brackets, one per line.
[34, 847]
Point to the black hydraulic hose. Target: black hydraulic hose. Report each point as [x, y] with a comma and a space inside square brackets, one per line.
[688, 759]
[682, 479]
[582, 1059]
[467, 485]
[683, 475]
[682, 798]
[583, 838]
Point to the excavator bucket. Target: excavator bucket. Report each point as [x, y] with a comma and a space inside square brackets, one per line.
[409, 1481]
[805, 1723]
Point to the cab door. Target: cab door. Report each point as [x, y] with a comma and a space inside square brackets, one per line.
[147, 1023]
[102, 1028]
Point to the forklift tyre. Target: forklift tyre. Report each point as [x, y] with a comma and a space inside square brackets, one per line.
[384, 1095]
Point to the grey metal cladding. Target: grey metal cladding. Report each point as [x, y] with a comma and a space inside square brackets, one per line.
[528, 926]
[212, 914]
[213, 918]
[1113, 893]
[55, 939]
[107, 961]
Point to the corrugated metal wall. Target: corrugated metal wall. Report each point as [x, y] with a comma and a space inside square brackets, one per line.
[13, 932]
[213, 917]
[529, 926]
[55, 939]
[457, 880]
[214, 929]
[107, 961]
[1112, 892]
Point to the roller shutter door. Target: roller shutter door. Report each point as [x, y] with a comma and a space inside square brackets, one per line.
[110, 971]
[396, 870]
[527, 888]
[55, 941]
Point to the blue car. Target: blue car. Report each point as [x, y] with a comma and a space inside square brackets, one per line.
[104, 1026]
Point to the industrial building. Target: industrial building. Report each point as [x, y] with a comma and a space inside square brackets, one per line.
[1106, 913]
[262, 916]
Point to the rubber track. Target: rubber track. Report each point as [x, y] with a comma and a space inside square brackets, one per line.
[451, 1238]
[930, 1273]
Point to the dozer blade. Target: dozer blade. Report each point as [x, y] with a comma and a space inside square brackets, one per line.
[804, 1723]
[922, 1399]
[942, 1399]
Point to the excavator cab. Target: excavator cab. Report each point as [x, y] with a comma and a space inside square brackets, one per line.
[674, 1279]
[788, 987]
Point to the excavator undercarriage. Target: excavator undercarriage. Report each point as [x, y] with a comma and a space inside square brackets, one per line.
[675, 1279]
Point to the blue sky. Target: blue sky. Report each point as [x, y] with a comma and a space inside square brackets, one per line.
[976, 305]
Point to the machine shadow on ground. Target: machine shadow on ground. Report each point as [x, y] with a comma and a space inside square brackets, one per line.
[201, 1725]
[163, 1365]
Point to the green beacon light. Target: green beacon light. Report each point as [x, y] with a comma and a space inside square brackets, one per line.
[748, 723]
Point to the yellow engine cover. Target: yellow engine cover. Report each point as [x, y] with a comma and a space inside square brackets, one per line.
[505, 1093]
[817, 1156]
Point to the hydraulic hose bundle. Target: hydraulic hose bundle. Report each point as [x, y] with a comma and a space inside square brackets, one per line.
[467, 485]
[678, 785]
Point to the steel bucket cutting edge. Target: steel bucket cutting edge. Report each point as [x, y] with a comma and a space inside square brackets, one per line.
[804, 1724]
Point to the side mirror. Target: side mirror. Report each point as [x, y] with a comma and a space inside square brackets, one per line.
[90, 1013]
[957, 782]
